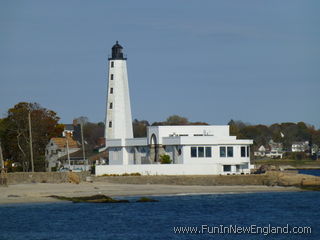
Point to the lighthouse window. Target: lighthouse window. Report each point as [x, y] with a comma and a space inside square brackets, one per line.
[110, 124]
[112, 64]
[111, 105]
[111, 76]
[111, 90]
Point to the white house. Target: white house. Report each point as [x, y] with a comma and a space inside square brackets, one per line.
[300, 146]
[57, 148]
[194, 150]
[261, 152]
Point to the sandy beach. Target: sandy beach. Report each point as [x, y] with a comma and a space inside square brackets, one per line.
[39, 192]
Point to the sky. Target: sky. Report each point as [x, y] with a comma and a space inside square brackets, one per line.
[212, 61]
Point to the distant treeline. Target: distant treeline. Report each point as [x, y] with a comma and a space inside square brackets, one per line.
[285, 133]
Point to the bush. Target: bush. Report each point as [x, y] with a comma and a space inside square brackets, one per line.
[93, 169]
[165, 159]
[296, 155]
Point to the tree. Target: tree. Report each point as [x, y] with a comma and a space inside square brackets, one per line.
[15, 132]
[92, 133]
[140, 128]
[177, 120]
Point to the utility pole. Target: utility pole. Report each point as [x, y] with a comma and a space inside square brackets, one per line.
[1, 158]
[30, 135]
[82, 141]
[68, 152]
[3, 172]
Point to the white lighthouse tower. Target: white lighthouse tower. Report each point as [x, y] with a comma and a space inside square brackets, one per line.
[118, 123]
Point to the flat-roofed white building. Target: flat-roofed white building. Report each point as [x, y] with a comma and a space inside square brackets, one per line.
[193, 149]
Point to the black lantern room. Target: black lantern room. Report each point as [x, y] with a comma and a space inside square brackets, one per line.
[117, 53]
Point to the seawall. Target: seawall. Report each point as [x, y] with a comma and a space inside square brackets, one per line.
[43, 177]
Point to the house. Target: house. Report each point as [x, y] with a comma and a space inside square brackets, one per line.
[300, 146]
[68, 130]
[275, 150]
[57, 148]
[193, 150]
[261, 152]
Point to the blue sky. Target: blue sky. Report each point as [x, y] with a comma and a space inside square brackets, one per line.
[212, 61]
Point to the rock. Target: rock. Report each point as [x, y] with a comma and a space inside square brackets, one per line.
[310, 182]
[90, 199]
[73, 178]
[146, 199]
[292, 179]
[12, 195]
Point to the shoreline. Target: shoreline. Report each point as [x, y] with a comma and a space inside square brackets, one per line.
[39, 192]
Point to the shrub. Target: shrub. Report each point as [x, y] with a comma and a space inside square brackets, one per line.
[165, 159]
[296, 155]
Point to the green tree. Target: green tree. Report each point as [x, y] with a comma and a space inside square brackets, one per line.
[140, 128]
[177, 120]
[92, 133]
[15, 132]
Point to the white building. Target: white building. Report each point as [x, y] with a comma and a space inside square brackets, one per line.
[194, 150]
[300, 146]
[57, 148]
[261, 152]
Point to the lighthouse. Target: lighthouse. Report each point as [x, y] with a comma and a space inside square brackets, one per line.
[118, 123]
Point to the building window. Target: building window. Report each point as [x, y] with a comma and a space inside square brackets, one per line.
[243, 151]
[230, 151]
[111, 90]
[110, 124]
[208, 152]
[200, 151]
[248, 151]
[112, 64]
[222, 151]
[227, 168]
[111, 77]
[193, 152]
[111, 105]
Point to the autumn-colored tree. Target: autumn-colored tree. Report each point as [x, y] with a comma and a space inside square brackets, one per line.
[14, 131]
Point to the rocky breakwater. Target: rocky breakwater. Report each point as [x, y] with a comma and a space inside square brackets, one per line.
[287, 179]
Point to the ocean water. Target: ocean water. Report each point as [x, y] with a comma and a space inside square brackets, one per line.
[314, 172]
[156, 220]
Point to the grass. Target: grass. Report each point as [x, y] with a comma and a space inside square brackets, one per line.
[292, 162]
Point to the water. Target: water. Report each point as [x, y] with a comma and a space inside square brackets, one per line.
[314, 172]
[156, 220]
